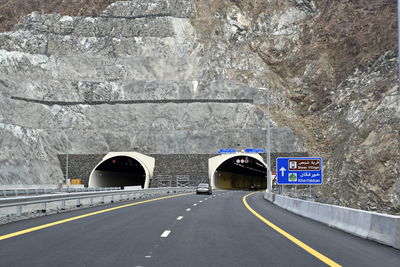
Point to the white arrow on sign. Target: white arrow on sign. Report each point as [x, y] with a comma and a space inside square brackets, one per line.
[283, 171]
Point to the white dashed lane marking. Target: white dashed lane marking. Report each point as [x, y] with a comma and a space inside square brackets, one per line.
[201, 201]
[179, 218]
[195, 204]
[166, 233]
[188, 209]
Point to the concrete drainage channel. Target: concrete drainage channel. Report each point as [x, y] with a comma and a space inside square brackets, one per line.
[382, 228]
[13, 209]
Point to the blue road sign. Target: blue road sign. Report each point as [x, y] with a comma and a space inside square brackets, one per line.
[254, 150]
[299, 170]
[227, 151]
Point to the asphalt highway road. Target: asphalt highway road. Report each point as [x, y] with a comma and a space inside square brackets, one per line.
[186, 230]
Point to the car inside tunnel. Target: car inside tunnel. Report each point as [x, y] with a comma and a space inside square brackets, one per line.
[118, 171]
[241, 172]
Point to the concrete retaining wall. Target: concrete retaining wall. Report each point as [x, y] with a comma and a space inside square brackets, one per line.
[382, 228]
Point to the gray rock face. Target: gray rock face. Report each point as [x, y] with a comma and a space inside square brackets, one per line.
[333, 81]
[139, 77]
[180, 77]
[135, 9]
[138, 8]
[368, 123]
[96, 26]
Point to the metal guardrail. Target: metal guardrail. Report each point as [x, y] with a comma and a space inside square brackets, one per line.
[20, 205]
[37, 191]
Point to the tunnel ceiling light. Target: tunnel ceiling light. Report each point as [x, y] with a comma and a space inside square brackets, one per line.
[259, 164]
[247, 167]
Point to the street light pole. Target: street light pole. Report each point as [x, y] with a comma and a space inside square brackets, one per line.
[67, 157]
[66, 168]
[269, 179]
[266, 150]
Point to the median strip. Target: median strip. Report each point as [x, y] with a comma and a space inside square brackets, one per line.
[299, 243]
[83, 216]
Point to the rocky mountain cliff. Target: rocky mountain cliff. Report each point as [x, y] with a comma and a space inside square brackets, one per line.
[163, 76]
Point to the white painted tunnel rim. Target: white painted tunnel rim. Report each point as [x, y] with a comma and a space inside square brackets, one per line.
[224, 157]
[134, 155]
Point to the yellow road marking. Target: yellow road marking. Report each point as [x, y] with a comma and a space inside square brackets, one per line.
[304, 246]
[82, 216]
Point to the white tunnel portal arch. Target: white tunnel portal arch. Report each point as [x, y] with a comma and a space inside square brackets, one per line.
[238, 171]
[120, 169]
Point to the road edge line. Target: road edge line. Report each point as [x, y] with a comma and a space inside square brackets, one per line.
[299, 243]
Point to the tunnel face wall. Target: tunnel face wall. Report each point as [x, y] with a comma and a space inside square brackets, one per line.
[120, 169]
[237, 171]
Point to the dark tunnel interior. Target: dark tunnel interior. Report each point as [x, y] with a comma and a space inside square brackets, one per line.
[241, 172]
[119, 171]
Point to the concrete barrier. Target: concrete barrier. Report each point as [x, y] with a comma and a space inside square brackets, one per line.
[382, 228]
[135, 187]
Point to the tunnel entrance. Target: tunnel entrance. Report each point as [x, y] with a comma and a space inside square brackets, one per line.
[118, 171]
[241, 172]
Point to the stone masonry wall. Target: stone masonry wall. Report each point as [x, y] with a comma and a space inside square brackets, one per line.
[167, 166]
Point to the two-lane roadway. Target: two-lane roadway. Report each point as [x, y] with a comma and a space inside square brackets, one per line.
[229, 228]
